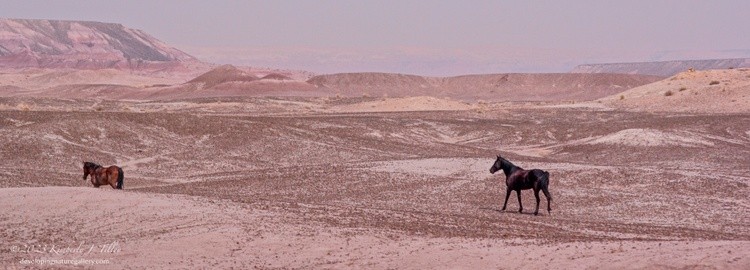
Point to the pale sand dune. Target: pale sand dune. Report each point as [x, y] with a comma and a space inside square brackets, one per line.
[651, 137]
[711, 91]
[173, 231]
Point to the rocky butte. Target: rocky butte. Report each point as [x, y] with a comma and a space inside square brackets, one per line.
[84, 45]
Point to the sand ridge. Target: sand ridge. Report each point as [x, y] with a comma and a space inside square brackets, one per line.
[710, 91]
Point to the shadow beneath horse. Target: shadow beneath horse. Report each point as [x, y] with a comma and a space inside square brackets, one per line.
[510, 212]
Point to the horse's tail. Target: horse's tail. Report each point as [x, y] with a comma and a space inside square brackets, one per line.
[120, 177]
[544, 181]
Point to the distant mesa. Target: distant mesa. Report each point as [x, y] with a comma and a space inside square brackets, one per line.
[663, 68]
[83, 45]
[223, 74]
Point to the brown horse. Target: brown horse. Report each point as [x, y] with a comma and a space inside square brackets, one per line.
[516, 178]
[111, 175]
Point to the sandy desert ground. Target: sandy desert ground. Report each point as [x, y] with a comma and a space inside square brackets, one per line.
[374, 183]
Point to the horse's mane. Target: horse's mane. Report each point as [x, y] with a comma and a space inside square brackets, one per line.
[91, 164]
[511, 164]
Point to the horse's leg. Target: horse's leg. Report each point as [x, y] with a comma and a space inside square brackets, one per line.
[507, 195]
[520, 206]
[536, 194]
[549, 198]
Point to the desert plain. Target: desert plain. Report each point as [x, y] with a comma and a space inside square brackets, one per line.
[346, 172]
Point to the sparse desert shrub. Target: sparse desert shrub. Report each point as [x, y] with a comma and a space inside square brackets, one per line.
[622, 97]
[683, 88]
[668, 93]
[714, 83]
[98, 108]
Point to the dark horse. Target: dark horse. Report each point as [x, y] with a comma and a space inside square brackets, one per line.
[111, 175]
[516, 178]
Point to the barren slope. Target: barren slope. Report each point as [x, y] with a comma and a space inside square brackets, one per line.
[710, 91]
[491, 87]
[242, 181]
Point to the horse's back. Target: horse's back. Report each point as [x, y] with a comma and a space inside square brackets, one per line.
[113, 170]
[113, 173]
[522, 179]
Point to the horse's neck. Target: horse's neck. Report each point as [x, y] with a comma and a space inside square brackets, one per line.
[95, 168]
[509, 168]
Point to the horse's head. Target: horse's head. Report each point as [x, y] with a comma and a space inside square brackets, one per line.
[88, 168]
[498, 165]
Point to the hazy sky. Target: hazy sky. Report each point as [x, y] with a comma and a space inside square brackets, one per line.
[423, 37]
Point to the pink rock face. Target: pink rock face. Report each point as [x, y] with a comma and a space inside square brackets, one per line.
[85, 45]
